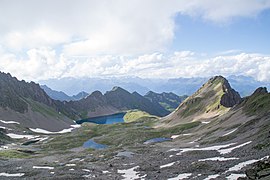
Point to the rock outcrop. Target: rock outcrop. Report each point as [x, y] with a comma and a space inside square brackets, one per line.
[214, 98]
[114, 101]
[260, 170]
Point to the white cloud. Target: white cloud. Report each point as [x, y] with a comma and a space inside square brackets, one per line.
[64, 38]
[44, 63]
[40, 63]
[41, 36]
[119, 27]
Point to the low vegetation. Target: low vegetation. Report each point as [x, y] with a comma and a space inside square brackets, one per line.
[13, 154]
[134, 115]
[115, 135]
[257, 104]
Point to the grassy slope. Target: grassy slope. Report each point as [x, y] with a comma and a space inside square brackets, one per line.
[115, 135]
[199, 102]
[258, 104]
[44, 109]
[134, 115]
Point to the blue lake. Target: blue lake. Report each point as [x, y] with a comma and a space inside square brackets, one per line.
[109, 119]
[92, 144]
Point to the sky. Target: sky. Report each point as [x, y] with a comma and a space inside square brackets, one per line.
[49, 39]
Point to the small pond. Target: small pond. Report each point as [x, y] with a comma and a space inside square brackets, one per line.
[92, 144]
[109, 119]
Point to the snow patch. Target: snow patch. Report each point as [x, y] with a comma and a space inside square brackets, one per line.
[212, 177]
[18, 136]
[42, 167]
[167, 165]
[205, 122]
[211, 148]
[235, 176]
[220, 148]
[229, 150]
[218, 159]
[70, 165]
[43, 131]
[181, 176]
[174, 136]
[129, 174]
[229, 132]
[76, 125]
[9, 122]
[239, 166]
[12, 175]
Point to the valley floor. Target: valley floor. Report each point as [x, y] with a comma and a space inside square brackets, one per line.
[190, 151]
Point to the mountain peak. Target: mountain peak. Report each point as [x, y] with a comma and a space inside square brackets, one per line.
[214, 98]
[96, 93]
[117, 88]
[149, 93]
[260, 90]
[218, 79]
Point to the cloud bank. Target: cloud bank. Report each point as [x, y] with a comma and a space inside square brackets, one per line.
[44, 63]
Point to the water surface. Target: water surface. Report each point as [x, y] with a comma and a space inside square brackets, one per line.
[109, 119]
[92, 144]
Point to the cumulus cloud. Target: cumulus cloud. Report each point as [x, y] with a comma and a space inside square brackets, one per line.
[119, 27]
[87, 38]
[44, 36]
[44, 63]
[38, 64]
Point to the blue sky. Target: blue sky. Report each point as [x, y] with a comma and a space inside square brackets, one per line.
[50, 39]
[250, 35]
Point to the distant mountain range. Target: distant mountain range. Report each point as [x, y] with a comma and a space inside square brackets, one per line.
[61, 96]
[169, 101]
[180, 86]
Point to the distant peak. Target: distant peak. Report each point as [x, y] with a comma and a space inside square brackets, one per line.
[260, 90]
[117, 88]
[136, 93]
[150, 93]
[96, 93]
[217, 79]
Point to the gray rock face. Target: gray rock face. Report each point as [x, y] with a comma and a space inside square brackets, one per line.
[261, 90]
[260, 170]
[231, 97]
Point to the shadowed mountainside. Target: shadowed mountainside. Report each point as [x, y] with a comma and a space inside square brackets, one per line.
[28, 104]
[169, 101]
[61, 96]
[114, 101]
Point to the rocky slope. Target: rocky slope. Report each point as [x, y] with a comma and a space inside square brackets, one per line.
[169, 101]
[29, 105]
[61, 96]
[213, 99]
[114, 101]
